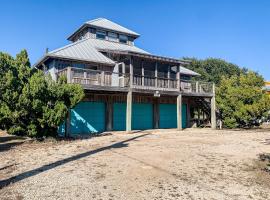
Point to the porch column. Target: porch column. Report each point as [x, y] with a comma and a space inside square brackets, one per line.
[179, 112]
[109, 115]
[156, 75]
[188, 113]
[129, 111]
[156, 113]
[68, 124]
[213, 109]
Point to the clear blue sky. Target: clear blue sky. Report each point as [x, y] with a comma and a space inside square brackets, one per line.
[235, 30]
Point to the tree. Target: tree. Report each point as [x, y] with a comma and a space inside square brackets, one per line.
[31, 103]
[213, 69]
[241, 100]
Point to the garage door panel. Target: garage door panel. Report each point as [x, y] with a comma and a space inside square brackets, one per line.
[119, 116]
[142, 116]
[168, 115]
[88, 117]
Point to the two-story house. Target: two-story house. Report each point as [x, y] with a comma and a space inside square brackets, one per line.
[127, 88]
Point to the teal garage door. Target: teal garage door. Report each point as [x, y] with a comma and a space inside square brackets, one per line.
[119, 116]
[87, 118]
[142, 116]
[168, 116]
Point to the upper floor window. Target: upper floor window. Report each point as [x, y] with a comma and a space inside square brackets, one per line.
[123, 39]
[112, 37]
[101, 34]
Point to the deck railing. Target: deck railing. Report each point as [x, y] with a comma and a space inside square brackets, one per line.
[96, 78]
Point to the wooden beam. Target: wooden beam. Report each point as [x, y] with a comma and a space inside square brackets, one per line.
[109, 115]
[156, 113]
[69, 75]
[142, 74]
[156, 74]
[129, 111]
[179, 112]
[131, 71]
[213, 110]
[178, 78]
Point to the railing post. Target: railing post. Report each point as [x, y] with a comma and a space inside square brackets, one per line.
[142, 74]
[156, 75]
[102, 78]
[168, 76]
[197, 87]
[178, 78]
[131, 72]
[85, 77]
[69, 75]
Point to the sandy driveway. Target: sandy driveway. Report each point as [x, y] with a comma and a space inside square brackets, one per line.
[193, 164]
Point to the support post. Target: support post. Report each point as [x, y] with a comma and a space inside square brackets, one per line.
[213, 109]
[109, 115]
[188, 114]
[129, 111]
[156, 75]
[69, 75]
[179, 112]
[68, 124]
[156, 113]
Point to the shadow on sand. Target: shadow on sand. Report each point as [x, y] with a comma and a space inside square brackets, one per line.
[30, 173]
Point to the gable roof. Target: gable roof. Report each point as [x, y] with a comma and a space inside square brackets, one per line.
[107, 25]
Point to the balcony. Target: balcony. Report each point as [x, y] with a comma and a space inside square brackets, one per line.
[118, 81]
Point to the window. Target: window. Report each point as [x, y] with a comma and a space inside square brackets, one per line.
[101, 35]
[112, 37]
[123, 39]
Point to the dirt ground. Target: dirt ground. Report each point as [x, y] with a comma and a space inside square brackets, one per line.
[160, 164]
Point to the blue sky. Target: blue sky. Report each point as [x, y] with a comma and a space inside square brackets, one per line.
[237, 31]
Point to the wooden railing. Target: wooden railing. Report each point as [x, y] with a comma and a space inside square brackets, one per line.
[93, 78]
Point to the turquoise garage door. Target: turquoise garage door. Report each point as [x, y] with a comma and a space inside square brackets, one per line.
[119, 116]
[142, 116]
[168, 116]
[87, 118]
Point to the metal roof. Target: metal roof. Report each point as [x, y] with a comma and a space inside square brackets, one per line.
[107, 24]
[89, 50]
[103, 23]
[186, 71]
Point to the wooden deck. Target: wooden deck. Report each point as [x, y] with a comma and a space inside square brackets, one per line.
[110, 81]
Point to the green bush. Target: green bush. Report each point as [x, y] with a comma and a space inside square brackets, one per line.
[31, 103]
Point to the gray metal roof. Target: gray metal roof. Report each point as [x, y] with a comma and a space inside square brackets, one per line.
[107, 24]
[186, 71]
[88, 50]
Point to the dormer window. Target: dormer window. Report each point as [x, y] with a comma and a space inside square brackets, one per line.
[101, 35]
[123, 39]
[112, 37]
